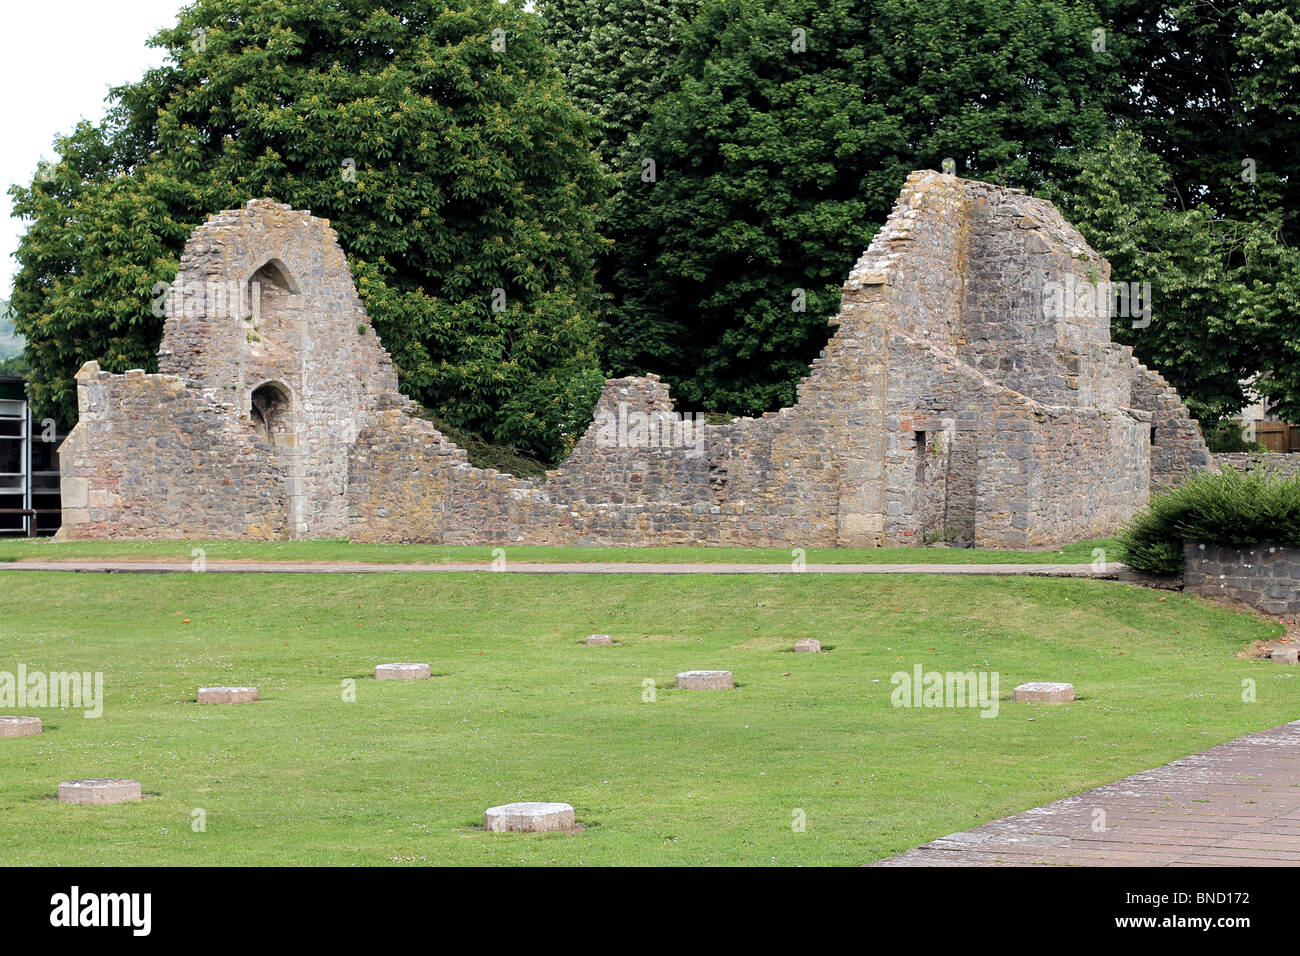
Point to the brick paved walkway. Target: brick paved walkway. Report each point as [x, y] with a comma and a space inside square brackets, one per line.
[1237, 804]
[288, 567]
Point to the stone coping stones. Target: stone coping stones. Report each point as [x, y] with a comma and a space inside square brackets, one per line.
[599, 640]
[227, 695]
[1280, 655]
[1045, 692]
[529, 817]
[809, 645]
[20, 726]
[705, 680]
[99, 790]
[402, 671]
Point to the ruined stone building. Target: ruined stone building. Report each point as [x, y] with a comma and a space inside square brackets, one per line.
[961, 397]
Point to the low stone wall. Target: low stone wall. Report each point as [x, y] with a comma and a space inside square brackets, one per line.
[153, 458]
[1265, 577]
[1255, 461]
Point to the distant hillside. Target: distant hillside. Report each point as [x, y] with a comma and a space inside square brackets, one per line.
[11, 344]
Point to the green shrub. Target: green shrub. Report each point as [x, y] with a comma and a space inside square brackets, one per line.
[1225, 507]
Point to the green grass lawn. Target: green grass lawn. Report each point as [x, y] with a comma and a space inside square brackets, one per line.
[522, 711]
[16, 549]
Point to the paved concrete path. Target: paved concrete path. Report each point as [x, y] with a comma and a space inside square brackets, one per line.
[289, 567]
[1237, 804]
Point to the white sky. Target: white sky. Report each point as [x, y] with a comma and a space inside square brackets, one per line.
[58, 59]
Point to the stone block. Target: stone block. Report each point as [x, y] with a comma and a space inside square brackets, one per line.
[1045, 692]
[20, 726]
[599, 640]
[74, 492]
[99, 790]
[227, 695]
[402, 671]
[808, 645]
[1284, 655]
[529, 818]
[705, 680]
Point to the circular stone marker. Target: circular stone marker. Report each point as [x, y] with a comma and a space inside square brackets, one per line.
[599, 640]
[19, 726]
[1045, 692]
[99, 790]
[529, 817]
[402, 671]
[705, 680]
[808, 645]
[227, 695]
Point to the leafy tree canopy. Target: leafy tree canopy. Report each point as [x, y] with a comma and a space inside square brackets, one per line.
[1198, 192]
[473, 172]
[1220, 287]
[618, 57]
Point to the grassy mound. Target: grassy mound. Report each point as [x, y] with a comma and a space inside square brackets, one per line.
[1225, 507]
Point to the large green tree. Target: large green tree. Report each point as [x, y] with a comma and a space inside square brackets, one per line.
[781, 150]
[1211, 88]
[1199, 193]
[1221, 287]
[439, 141]
[619, 58]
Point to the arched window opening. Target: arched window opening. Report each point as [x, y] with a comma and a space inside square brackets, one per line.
[268, 293]
[270, 412]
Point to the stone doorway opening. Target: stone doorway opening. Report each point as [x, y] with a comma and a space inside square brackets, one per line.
[271, 410]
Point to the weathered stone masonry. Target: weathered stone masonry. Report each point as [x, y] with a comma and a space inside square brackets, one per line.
[947, 404]
[1262, 576]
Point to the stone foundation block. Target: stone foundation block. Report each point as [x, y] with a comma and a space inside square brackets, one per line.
[227, 695]
[1285, 655]
[809, 645]
[705, 680]
[529, 817]
[402, 671]
[599, 640]
[20, 726]
[99, 790]
[1045, 692]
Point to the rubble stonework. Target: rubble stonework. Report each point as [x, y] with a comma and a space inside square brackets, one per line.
[1285, 465]
[1262, 576]
[948, 404]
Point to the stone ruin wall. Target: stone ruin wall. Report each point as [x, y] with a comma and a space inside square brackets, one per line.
[941, 313]
[1264, 576]
[303, 327]
[1287, 465]
[1035, 430]
[263, 296]
[152, 458]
